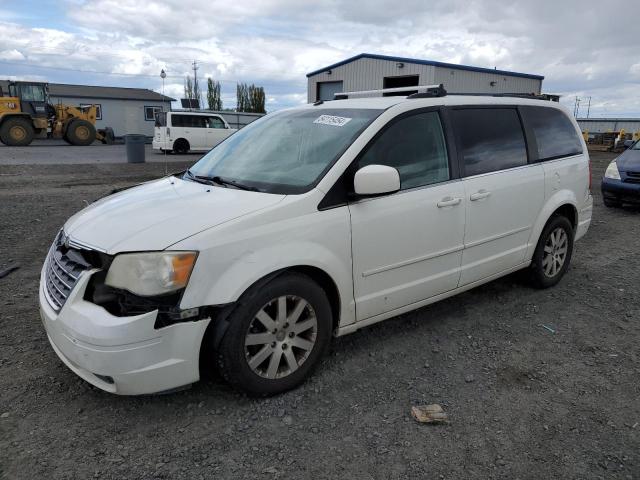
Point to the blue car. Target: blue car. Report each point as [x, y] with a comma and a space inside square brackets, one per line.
[621, 181]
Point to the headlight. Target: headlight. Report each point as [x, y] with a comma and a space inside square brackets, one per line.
[152, 273]
[612, 171]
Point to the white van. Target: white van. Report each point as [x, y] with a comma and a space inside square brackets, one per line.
[308, 223]
[183, 132]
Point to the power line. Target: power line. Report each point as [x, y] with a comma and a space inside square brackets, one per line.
[76, 70]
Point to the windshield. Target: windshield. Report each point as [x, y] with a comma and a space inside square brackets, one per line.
[285, 152]
[636, 146]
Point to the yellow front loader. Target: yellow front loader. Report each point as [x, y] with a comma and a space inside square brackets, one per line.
[27, 114]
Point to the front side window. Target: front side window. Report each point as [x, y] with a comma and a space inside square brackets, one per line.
[288, 151]
[32, 93]
[414, 146]
[215, 122]
[555, 134]
[490, 139]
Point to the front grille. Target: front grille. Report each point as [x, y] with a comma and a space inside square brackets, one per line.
[63, 268]
[632, 177]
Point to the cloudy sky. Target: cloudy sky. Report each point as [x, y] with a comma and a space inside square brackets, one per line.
[582, 48]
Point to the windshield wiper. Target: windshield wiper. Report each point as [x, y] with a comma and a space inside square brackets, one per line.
[221, 181]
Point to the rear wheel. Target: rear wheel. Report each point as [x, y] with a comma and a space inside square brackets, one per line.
[276, 335]
[181, 146]
[17, 132]
[80, 132]
[553, 253]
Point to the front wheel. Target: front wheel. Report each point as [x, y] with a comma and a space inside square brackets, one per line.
[277, 335]
[553, 253]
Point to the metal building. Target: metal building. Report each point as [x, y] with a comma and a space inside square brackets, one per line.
[609, 125]
[373, 72]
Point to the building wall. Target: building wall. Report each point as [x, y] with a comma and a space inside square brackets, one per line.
[464, 81]
[124, 116]
[368, 74]
[604, 125]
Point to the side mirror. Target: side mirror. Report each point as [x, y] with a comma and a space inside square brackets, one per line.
[376, 180]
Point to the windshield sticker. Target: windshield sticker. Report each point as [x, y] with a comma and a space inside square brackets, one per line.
[332, 120]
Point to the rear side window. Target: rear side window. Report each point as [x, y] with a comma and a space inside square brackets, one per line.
[555, 134]
[489, 139]
[414, 146]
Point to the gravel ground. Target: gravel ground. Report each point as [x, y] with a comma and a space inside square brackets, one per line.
[525, 401]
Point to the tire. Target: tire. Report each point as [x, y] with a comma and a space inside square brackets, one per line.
[181, 146]
[611, 203]
[17, 132]
[297, 351]
[553, 253]
[81, 133]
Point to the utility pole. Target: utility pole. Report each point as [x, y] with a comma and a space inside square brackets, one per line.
[196, 90]
[588, 106]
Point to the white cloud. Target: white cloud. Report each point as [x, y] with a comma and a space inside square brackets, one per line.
[275, 42]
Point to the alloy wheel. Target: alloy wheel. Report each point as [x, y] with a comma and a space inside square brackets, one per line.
[280, 337]
[555, 252]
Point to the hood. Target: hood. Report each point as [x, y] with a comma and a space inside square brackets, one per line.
[629, 161]
[158, 214]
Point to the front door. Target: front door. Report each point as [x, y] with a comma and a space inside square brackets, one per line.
[407, 246]
[216, 131]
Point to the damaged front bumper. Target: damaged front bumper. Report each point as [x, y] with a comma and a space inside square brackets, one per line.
[125, 355]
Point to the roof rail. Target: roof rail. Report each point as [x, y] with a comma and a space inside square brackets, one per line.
[535, 96]
[427, 91]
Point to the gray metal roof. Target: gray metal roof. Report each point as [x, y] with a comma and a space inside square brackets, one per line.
[424, 62]
[94, 91]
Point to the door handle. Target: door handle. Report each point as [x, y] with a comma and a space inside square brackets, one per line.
[479, 195]
[448, 202]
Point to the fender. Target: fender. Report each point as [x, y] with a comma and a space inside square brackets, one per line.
[253, 266]
[558, 199]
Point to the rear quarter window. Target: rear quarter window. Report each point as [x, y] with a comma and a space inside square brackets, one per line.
[554, 132]
[489, 139]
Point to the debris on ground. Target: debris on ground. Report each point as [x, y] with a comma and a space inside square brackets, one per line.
[7, 271]
[548, 328]
[429, 414]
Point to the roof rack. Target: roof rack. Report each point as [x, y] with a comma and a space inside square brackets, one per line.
[428, 91]
[534, 96]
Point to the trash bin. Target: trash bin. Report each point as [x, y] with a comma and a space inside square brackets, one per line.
[135, 148]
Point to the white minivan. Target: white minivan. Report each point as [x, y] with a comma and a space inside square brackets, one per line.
[310, 223]
[183, 132]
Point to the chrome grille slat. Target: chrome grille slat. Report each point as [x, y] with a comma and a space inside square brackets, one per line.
[53, 270]
[62, 268]
[60, 273]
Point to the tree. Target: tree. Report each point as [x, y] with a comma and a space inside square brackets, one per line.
[214, 100]
[256, 99]
[250, 98]
[192, 90]
[188, 88]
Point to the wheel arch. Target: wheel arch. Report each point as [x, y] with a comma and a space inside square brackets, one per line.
[218, 326]
[177, 141]
[564, 203]
[7, 116]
